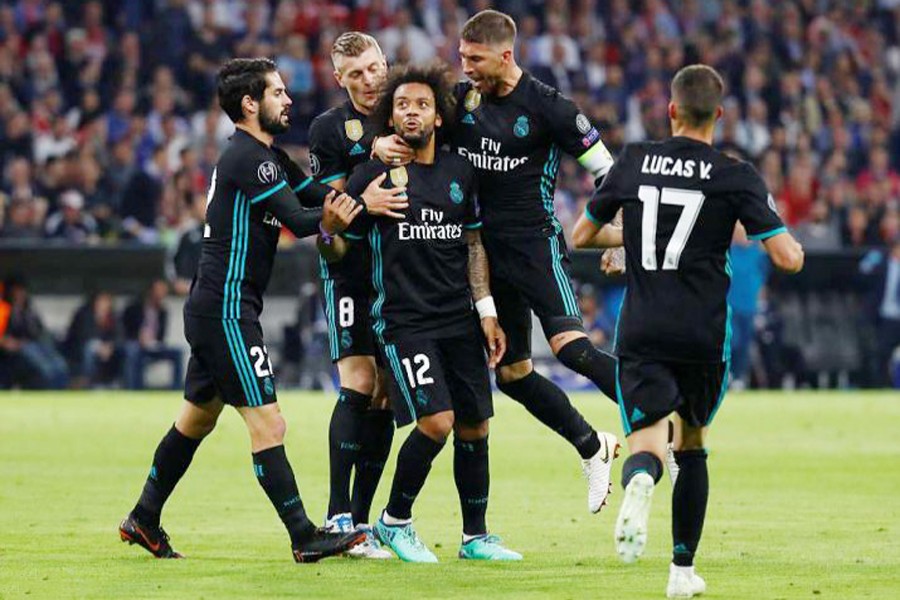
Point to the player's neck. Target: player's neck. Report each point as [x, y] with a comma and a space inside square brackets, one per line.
[359, 107]
[255, 131]
[425, 155]
[509, 81]
[704, 135]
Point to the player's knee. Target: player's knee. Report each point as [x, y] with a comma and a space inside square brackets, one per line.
[560, 340]
[514, 372]
[437, 426]
[469, 432]
[358, 376]
[267, 430]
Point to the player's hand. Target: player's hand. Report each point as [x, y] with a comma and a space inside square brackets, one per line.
[496, 340]
[338, 211]
[385, 202]
[612, 262]
[392, 150]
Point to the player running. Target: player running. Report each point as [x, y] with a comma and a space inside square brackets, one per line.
[513, 128]
[249, 200]
[680, 200]
[427, 271]
[361, 428]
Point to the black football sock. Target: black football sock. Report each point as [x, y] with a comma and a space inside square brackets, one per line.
[689, 505]
[172, 457]
[274, 474]
[581, 356]
[343, 446]
[376, 437]
[413, 465]
[473, 481]
[550, 405]
[642, 462]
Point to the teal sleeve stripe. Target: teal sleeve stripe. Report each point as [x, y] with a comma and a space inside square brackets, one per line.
[334, 177]
[266, 194]
[592, 218]
[473, 225]
[303, 184]
[351, 236]
[767, 234]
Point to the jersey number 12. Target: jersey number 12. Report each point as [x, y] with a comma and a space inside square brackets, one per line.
[691, 202]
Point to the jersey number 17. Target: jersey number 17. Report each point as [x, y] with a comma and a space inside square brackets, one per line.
[651, 197]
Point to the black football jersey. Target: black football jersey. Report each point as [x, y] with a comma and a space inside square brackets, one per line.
[420, 263]
[340, 139]
[249, 187]
[681, 199]
[515, 144]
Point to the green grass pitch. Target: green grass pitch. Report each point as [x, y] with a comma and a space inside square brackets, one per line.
[804, 504]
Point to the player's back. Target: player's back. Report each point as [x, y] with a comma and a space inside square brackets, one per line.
[681, 199]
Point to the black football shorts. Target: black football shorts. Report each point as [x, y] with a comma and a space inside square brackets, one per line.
[229, 359]
[428, 376]
[531, 274]
[649, 390]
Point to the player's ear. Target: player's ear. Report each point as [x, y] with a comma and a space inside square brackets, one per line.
[506, 56]
[719, 112]
[250, 105]
[337, 77]
[673, 111]
[438, 121]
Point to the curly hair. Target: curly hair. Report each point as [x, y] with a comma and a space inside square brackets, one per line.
[436, 75]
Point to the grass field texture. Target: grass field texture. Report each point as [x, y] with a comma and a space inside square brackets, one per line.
[804, 504]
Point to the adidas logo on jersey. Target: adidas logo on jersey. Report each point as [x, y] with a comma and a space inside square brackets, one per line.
[357, 150]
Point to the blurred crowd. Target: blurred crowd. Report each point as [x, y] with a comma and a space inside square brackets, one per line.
[109, 126]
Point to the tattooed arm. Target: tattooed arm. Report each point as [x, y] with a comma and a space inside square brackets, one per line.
[479, 282]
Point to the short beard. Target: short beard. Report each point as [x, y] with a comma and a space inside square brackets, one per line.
[272, 126]
[416, 142]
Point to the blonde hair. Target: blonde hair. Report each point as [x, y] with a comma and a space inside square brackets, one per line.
[352, 43]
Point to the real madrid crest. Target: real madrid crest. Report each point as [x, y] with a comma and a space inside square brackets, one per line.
[472, 101]
[399, 177]
[521, 127]
[354, 129]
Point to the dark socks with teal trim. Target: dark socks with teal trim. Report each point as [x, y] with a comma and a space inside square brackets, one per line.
[642, 462]
[274, 474]
[413, 466]
[581, 356]
[376, 437]
[344, 433]
[689, 500]
[550, 405]
[170, 461]
[473, 481]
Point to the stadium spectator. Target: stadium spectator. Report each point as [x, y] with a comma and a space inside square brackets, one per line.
[881, 272]
[749, 268]
[144, 323]
[70, 223]
[596, 322]
[187, 255]
[26, 344]
[93, 342]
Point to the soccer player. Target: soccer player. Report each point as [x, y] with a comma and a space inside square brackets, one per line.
[249, 200]
[428, 269]
[361, 428]
[680, 200]
[513, 128]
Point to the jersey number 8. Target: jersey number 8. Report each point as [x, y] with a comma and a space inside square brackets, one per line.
[690, 200]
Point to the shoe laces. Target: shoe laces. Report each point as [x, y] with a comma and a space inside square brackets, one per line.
[410, 534]
[163, 536]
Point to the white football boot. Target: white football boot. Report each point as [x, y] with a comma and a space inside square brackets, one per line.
[597, 470]
[684, 583]
[631, 525]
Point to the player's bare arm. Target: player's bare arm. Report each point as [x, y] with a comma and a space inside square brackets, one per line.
[385, 201]
[588, 234]
[786, 252]
[392, 150]
[479, 282]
